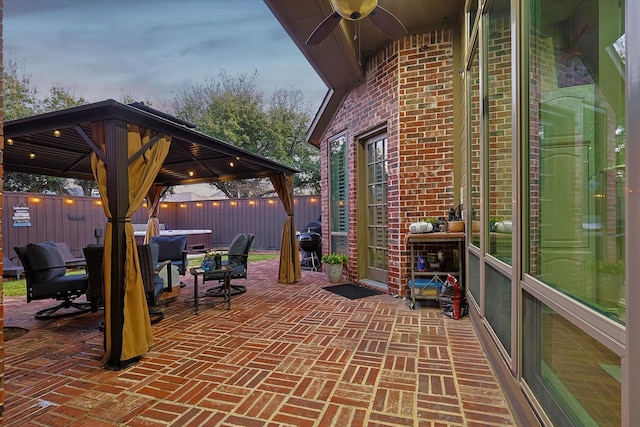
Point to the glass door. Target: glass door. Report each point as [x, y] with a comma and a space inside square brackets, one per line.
[376, 214]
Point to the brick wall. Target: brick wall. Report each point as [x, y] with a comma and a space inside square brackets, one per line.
[408, 93]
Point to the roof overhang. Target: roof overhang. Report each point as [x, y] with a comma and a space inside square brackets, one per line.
[339, 58]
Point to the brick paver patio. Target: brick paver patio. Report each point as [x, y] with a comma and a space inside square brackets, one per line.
[284, 355]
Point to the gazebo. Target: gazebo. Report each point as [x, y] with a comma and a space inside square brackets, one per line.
[132, 152]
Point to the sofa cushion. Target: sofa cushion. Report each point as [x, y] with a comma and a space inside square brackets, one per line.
[238, 247]
[170, 247]
[47, 258]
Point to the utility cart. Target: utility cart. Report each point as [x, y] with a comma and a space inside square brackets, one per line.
[433, 256]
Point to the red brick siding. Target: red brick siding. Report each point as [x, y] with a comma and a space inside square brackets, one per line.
[408, 91]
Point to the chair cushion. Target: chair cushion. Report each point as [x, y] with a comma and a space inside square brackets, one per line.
[238, 247]
[70, 285]
[238, 269]
[171, 247]
[46, 257]
[155, 253]
[158, 280]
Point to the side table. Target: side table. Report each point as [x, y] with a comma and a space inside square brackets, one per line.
[197, 271]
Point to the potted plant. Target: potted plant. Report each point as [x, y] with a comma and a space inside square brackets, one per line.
[455, 223]
[334, 264]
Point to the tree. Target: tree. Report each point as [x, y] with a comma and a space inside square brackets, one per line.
[288, 119]
[20, 100]
[233, 110]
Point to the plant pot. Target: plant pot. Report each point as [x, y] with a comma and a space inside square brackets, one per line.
[334, 272]
[456, 226]
[608, 287]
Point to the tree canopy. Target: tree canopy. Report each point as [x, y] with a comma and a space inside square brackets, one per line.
[232, 109]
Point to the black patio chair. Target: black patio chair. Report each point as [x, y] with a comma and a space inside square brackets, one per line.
[237, 257]
[150, 269]
[93, 255]
[174, 249]
[46, 278]
[10, 268]
[71, 259]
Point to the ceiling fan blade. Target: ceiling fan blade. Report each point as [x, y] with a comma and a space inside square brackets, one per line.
[325, 28]
[386, 22]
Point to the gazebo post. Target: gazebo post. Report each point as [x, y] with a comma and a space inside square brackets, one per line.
[118, 195]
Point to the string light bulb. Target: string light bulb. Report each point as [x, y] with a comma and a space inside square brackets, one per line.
[56, 133]
[32, 155]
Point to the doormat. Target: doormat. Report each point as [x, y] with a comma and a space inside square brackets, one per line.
[352, 291]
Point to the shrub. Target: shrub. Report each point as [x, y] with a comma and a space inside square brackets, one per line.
[334, 258]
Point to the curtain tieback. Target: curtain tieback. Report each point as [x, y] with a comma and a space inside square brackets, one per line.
[119, 220]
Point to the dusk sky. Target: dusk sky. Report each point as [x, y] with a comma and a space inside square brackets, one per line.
[151, 49]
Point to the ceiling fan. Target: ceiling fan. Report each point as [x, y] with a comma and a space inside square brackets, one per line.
[355, 10]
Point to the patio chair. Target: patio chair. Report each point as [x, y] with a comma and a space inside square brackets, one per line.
[46, 278]
[174, 249]
[150, 270]
[71, 260]
[237, 257]
[95, 294]
[151, 267]
[11, 269]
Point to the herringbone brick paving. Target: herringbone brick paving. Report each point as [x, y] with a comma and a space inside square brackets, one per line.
[284, 355]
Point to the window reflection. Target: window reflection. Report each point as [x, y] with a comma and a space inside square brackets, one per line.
[474, 211]
[499, 136]
[577, 151]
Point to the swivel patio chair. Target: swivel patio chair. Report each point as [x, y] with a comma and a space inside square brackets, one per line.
[46, 278]
[173, 249]
[237, 257]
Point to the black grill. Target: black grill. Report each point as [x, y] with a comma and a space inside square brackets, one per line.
[310, 243]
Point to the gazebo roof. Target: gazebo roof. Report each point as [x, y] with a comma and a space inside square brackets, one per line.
[193, 157]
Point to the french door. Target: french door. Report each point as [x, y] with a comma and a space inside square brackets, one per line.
[375, 149]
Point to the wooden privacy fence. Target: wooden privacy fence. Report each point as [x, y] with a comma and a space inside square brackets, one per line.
[78, 221]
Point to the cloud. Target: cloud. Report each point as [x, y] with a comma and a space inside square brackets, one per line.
[151, 48]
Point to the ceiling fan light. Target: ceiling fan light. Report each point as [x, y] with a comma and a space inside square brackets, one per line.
[354, 9]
